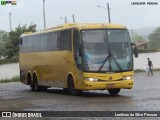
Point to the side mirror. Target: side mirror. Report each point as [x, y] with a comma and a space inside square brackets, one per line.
[135, 50]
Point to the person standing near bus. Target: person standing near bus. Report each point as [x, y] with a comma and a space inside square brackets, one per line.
[150, 65]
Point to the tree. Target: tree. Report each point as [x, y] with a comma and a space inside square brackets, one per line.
[1, 34]
[12, 40]
[155, 36]
[138, 38]
[3, 37]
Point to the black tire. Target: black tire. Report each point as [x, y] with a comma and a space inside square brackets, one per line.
[34, 84]
[35, 87]
[66, 90]
[114, 91]
[72, 89]
[30, 82]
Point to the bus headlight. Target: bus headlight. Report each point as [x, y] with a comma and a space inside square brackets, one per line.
[127, 77]
[91, 79]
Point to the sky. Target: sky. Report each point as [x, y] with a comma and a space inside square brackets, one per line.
[85, 11]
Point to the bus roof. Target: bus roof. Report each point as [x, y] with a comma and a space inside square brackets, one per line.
[87, 26]
[77, 26]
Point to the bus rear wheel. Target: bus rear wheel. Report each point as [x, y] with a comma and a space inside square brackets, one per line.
[71, 87]
[35, 87]
[114, 91]
[30, 82]
[34, 84]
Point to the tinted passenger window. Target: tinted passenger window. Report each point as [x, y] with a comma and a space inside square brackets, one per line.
[65, 40]
[36, 43]
[30, 44]
[24, 49]
[47, 42]
[52, 41]
[43, 42]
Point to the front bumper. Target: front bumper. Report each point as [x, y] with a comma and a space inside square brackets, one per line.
[124, 84]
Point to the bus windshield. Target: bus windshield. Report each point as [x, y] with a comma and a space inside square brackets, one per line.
[107, 50]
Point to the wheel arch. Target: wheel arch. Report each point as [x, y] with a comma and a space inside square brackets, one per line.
[35, 74]
[70, 75]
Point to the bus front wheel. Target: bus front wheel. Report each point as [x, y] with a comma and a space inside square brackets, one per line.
[71, 87]
[113, 91]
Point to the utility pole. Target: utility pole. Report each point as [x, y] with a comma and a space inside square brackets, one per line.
[10, 22]
[65, 19]
[44, 17]
[73, 18]
[108, 12]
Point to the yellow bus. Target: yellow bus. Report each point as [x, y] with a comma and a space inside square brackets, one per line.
[78, 57]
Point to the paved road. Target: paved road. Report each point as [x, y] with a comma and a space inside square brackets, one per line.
[145, 96]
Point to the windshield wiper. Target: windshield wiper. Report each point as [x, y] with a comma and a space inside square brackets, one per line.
[116, 62]
[110, 57]
[104, 63]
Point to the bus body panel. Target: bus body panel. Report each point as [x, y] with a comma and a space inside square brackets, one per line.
[48, 66]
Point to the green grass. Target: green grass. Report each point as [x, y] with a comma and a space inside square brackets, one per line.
[14, 79]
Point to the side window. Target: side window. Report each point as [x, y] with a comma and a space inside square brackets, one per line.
[24, 49]
[52, 41]
[66, 40]
[55, 41]
[49, 41]
[26, 44]
[43, 42]
[59, 37]
[30, 44]
[36, 42]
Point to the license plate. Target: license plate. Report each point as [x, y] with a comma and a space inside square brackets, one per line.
[110, 85]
